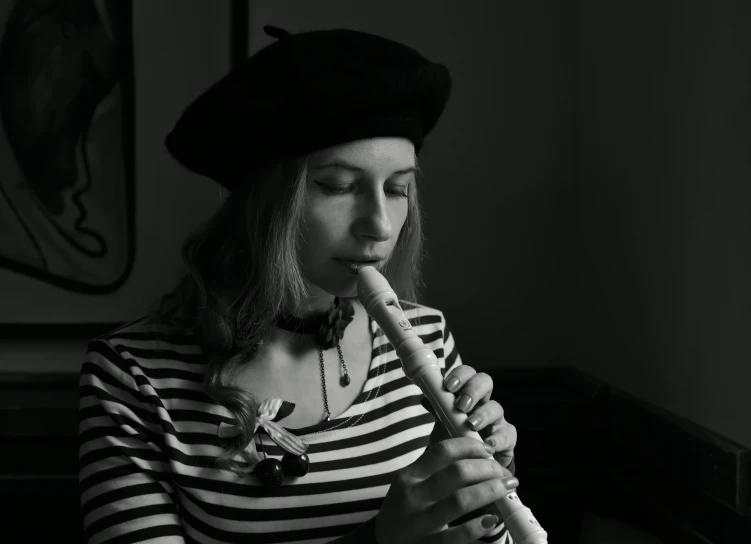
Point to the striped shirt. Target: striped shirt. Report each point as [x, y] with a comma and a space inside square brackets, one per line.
[148, 440]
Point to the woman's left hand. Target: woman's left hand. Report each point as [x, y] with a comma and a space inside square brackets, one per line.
[472, 390]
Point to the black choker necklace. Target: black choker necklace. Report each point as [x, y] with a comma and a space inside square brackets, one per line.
[310, 325]
[329, 326]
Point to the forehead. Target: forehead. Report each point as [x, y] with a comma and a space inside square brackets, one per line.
[371, 154]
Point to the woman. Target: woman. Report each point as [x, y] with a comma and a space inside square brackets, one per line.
[259, 402]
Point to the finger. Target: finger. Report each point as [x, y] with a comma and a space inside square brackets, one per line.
[457, 475]
[469, 531]
[485, 414]
[501, 436]
[440, 455]
[458, 377]
[468, 499]
[476, 388]
[504, 459]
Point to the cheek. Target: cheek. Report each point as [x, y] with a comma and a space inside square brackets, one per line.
[399, 219]
[319, 231]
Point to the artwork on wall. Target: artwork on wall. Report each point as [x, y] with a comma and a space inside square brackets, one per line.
[66, 146]
[66, 174]
[68, 217]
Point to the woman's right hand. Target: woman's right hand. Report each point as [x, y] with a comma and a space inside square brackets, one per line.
[452, 478]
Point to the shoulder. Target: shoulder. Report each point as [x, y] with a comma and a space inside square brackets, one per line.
[423, 316]
[429, 323]
[416, 311]
[144, 350]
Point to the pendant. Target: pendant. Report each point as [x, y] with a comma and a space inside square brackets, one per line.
[269, 472]
[345, 381]
[295, 465]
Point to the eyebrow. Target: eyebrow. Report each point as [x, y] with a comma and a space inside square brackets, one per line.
[344, 165]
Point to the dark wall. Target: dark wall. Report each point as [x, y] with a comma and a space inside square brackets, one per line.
[663, 213]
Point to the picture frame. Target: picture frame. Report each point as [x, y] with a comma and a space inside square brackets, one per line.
[71, 243]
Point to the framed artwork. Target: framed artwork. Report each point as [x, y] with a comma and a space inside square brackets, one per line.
[67, 164]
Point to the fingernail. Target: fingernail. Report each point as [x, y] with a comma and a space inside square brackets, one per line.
[489, 521]
[475, 421]
[489, 449]
[490, 442]
[463, 403]
[510, 482]
[452, 384]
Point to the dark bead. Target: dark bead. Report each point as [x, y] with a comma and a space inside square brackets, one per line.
[269, 472]
[295, 465]
[345, 380]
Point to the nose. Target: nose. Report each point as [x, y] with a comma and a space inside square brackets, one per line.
[375, 222]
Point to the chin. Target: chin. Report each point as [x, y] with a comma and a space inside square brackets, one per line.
[338, 286]
[340, 283]
[343, 292]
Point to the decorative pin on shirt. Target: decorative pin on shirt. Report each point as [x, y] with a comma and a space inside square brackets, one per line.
[270, 472]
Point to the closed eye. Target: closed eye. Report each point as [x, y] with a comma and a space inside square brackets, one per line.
[346, 189]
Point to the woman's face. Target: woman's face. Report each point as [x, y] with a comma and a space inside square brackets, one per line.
[356, 207]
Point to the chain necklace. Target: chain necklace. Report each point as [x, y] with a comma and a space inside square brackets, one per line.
[344, 379]
[329, 330]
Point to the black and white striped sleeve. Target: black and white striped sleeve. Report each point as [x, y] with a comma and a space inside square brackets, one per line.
[124, 477]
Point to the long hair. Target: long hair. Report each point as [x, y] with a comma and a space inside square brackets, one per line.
[243, 271]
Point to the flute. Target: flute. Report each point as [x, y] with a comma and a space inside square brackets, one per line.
[420, 365]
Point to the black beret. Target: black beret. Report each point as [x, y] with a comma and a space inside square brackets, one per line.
[306, 92]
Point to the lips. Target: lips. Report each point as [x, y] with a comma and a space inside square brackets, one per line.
[354, 266]
[369, 259]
